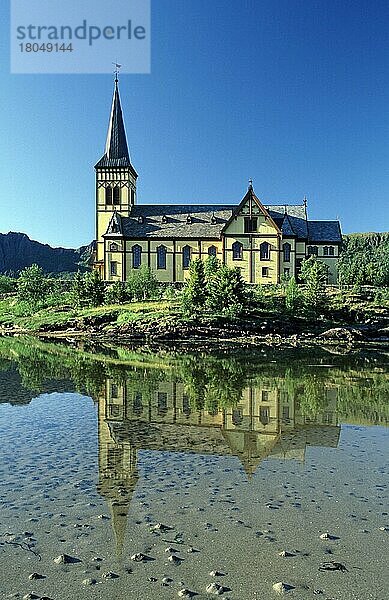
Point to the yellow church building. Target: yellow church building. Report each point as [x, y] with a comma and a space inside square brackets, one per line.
[267, 242]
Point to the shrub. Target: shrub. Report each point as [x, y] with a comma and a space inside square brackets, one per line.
[194, 294]
[32, 285]
[293, 297]
[228, 292]
[7, 284]
[314, 274]
[142, 284]
[116, 293]
[87, 289]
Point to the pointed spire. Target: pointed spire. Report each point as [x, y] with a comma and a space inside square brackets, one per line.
[116, 145]
[116, 149]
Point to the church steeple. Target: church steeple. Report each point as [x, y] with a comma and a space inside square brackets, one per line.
[115, 185]
[116, 148]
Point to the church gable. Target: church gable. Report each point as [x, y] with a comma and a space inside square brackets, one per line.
[251, 217]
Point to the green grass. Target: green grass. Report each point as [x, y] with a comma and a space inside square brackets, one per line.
[32, 318]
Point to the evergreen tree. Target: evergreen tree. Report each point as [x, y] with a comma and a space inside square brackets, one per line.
[293, 296]
[314, 274]
[228, 292]
[194, 294]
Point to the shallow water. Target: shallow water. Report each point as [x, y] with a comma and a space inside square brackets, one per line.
[241, 456]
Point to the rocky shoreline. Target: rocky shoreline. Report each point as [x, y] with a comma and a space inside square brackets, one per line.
[203, 337]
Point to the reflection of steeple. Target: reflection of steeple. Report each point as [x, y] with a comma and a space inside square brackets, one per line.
[118, 476]
[118, 495]
[117, 490]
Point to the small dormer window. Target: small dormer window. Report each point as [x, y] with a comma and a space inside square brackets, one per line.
[164, 219]
[213, 220]
[140, 220]
[189, 220]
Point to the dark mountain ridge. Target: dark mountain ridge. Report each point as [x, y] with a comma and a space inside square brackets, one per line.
[18, 251]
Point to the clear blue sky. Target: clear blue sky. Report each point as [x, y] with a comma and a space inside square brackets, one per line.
[291, 93]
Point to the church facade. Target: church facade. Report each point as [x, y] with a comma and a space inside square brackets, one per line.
[267, 242]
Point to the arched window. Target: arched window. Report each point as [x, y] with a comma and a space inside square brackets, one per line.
[325, 251]
[265, 251]
[286, 248]
[113, 247]
[312, 250]
[116, 195]
[331, 251]
[161, 257]
[108, 195]
[136, 256]
[237, 251]
[186, 256]
[212, 251]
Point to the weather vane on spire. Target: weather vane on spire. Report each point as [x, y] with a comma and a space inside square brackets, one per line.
[117, 70]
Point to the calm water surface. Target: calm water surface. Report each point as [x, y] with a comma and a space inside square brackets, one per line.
[240, 457]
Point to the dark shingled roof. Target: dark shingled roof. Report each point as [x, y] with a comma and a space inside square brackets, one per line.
[296, 219]
[177, 221]
[293, 210]
[324, 231]
[287, 227]
[206, 221]
[116, 149]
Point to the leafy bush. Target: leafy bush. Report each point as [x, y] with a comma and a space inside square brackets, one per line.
[213, 287]
[314, 274]
[293, 297]
[7, 284]
[87, 289]
[116, 293]
[32, 285]
[142, 284]
[364, 259]
[194, 294]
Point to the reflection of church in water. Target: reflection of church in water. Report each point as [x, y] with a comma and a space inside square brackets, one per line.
[265, 423]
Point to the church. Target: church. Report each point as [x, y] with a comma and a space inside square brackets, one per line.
[267, 242]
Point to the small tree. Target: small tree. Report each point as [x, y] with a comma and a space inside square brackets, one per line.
[194, 293]
[227, 293]
[94, 288]
[293, 296]
[116, 293]
[141, 284]
[32, 285]
[87, 289]
[314, 274]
